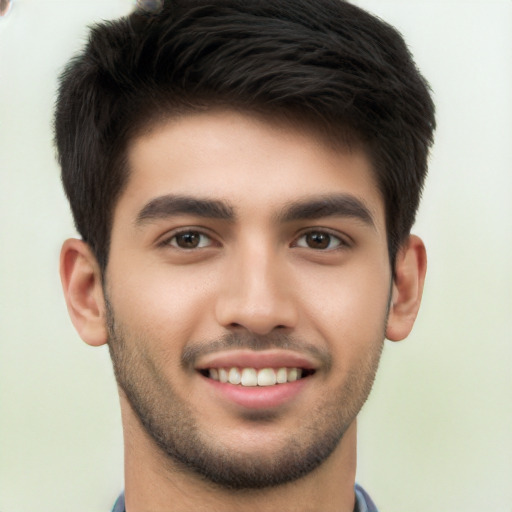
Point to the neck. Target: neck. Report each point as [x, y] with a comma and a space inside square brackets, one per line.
[154, 483]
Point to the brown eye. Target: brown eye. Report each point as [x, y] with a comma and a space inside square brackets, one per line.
[190, 240]
[319, 240]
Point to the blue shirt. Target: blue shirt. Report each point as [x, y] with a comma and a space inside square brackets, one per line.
[363, 502]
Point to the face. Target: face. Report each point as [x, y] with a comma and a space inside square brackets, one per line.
[247, 287]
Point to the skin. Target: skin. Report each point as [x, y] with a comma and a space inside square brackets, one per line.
[258, 273]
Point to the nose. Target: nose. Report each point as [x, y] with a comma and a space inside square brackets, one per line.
[257, 294]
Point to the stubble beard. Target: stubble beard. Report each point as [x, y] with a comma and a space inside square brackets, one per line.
[170, 422]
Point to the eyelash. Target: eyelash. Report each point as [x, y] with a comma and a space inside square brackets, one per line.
[339, 241]
[168, 241]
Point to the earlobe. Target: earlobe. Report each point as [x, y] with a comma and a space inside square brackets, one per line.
[410, 270]
[82, 285]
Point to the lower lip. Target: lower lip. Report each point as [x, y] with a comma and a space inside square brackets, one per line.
[258, 397]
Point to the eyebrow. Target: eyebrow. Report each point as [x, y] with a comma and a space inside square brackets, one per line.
[169, 205]
[336, 205]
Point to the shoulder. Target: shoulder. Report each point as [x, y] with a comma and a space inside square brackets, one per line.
[119, 504]
[363, 501]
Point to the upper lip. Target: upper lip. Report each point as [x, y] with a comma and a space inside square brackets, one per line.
[240, 358]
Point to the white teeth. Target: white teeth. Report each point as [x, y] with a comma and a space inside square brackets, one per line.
[223, 375]
[251, 377]
[281, 376]
[266, 377]
[234, 376]
[293, 374]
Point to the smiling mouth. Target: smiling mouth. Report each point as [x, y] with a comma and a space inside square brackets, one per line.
[252, 377]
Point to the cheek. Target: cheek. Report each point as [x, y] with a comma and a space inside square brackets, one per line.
[348, 306]
[161, 304]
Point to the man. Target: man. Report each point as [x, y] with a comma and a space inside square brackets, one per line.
[244, 177]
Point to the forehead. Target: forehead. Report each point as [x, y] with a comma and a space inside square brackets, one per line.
[247, 161]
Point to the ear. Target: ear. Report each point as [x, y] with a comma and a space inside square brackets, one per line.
[410, 270]
[81, 281]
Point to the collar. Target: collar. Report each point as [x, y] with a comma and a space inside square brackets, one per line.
[363, 502]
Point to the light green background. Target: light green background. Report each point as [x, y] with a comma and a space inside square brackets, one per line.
[436, 434]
